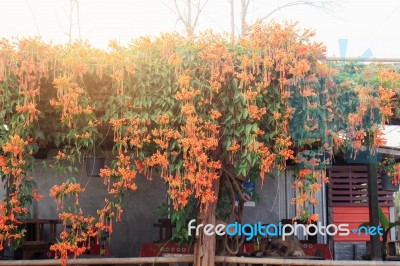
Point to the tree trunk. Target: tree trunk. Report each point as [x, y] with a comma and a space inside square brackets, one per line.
[243, 13]
[204, 248]
[384, 246]
[232, 18]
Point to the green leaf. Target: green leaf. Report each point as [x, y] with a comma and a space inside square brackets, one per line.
[383, 220]
[248, 129]
[397, 223]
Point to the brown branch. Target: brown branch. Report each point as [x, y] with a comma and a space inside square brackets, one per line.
[235, 215]
[234, 183]
[236, 244]
[232, 201]
[229, 167]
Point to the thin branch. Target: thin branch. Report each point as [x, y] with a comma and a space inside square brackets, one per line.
[234, 183]
[231, 198]
[174, 12]
[236, 244]
[317, 4]
[34, 18]
[199, 10]
[78, 19]
[243, 13]
[247, 5]
[180, 17]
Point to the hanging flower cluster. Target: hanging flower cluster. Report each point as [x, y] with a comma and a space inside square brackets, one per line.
[77, 227]
[74, 239]
[13, 171]
[199, 171]
[120, 178]
[308, 182]
[396, 174]
[69, 99]
[69, 189]
[33, 64]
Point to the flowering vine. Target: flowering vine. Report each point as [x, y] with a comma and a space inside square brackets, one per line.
[200, 113]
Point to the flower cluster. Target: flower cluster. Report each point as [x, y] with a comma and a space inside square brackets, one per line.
[69, 189]
[13, 171]
[308, 182]
[392, 169]
[71, 100]
[121, 178]
[75, 238]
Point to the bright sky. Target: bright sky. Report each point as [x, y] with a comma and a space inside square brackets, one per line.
[366, 24]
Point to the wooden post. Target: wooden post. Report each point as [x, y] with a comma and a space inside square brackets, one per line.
[375, 246]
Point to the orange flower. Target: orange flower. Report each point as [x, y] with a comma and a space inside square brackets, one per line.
[214, 114]
[163, 119]
[313, 218]
[187, 109]
[256, 112]
[276, 115]
[36, 195]
[183, 81]
[234, 147]
[304, 172]
[3, 161]
[60, 155]
[139, 166]
[314, 202]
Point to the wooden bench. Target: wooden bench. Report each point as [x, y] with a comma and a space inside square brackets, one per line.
[39, 236]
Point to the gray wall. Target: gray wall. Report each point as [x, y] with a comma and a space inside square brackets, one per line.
[136, 226]
[266, 209]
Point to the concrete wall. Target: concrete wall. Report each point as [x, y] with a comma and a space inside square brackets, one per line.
[136, 226]
[266, 209]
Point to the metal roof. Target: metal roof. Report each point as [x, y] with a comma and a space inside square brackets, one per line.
[392, 136]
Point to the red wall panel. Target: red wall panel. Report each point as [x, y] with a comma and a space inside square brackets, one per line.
[354, 216]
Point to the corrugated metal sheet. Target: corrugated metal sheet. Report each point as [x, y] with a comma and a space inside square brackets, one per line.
[288, 211]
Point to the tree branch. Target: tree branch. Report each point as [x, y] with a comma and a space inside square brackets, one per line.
[243, 13]
[199, 10]
[34, 18]
[317, 4]
[180, 17]
[234, 183]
